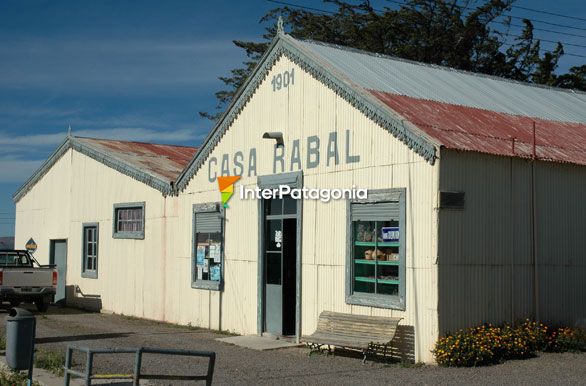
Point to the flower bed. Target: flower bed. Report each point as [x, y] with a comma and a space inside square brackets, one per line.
[488, 344]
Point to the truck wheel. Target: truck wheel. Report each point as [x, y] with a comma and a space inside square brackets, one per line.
[42, 304]
[15, 303]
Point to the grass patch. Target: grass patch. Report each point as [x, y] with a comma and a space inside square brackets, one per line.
[411, 365]
[14, 378]
[50, 361]
[2, 342]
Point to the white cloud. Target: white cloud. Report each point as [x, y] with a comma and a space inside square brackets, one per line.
[15, 170]
[114, 66]
[20, 112]
[10, 142]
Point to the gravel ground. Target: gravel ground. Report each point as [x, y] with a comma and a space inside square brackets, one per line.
[236, 365]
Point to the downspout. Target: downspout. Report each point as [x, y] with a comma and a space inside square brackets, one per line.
[164, 253]
[222, 268]
[534, 231]
[512, 225]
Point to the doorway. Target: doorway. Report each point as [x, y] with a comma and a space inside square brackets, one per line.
[280, 235]
[58, 256]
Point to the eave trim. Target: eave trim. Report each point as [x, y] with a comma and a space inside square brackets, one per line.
[72, 143]
[284, 45]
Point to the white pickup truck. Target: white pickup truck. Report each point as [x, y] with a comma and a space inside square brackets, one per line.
[21, 281]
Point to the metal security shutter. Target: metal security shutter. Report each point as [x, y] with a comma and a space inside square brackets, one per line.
[208, 222]
[381, 211]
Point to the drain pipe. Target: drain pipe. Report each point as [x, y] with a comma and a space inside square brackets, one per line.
[534, 231]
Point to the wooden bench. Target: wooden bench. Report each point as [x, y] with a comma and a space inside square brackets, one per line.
[352, 331]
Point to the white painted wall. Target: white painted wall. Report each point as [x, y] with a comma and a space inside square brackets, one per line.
[306, 109]
[151, 278]
[77, 190]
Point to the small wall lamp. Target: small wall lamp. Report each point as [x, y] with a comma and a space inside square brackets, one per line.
[276, 135]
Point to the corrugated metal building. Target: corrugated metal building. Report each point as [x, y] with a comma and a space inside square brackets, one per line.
[474, 213]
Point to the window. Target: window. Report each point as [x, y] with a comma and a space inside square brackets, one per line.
[14, 259]
[376, 250]
[128, 221]
[90, 251]
[208, 240]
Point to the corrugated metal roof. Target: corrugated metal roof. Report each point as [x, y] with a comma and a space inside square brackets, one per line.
[422, 81]
[468, 128]
[357, 76]
[165, 162]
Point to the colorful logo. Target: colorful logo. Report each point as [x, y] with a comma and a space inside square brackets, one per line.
[226, 185]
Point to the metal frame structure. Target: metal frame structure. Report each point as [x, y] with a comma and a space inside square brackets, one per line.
[137, 375]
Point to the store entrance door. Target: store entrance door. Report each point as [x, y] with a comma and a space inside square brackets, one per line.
[280, 254]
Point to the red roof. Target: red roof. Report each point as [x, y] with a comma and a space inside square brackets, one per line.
[162, 161]
[473, 129]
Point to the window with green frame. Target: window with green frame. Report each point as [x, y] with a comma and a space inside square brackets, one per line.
[376, 250]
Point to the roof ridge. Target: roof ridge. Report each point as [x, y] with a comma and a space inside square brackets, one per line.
[358, 96]
[439, 67]
[113, 161]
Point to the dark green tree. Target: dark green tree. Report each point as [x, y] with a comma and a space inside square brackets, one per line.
[575, 78]
[445, 32]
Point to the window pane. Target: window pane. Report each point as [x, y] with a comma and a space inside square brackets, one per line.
[274, 235]
[208, 256]
[364, 255]
[129, 219]
[365, 232]
[90, 248]
[375, 255]
[289, 205]
[274, 206]
[273, 267]
[388, 231]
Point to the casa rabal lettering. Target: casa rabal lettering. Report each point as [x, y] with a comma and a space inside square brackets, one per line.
[318, 151]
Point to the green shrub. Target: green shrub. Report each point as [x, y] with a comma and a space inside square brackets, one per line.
[50, 361]
[14, 378]
[487, 344]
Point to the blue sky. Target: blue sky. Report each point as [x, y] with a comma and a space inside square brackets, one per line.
[138, 70]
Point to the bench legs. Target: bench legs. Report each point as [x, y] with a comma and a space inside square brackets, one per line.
[317, 347]
[365, 352]
[369, 350]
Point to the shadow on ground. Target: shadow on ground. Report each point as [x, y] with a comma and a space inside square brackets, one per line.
[73, 338]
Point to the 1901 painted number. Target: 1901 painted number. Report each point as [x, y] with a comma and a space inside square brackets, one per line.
[283, 80]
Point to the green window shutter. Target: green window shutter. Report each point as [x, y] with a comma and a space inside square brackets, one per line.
[380, 211]
[208, 222]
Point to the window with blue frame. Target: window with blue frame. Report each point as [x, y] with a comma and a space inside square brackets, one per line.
[208, 246]
[376, 250]
[129, 221]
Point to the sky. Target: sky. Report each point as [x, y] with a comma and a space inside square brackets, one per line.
[142, 70]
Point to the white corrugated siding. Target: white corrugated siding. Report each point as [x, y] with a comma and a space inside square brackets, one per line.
[78, 189]
[485, 264]
[305, 109]
[151, 278]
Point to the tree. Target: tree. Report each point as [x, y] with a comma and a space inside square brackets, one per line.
[443, 32]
